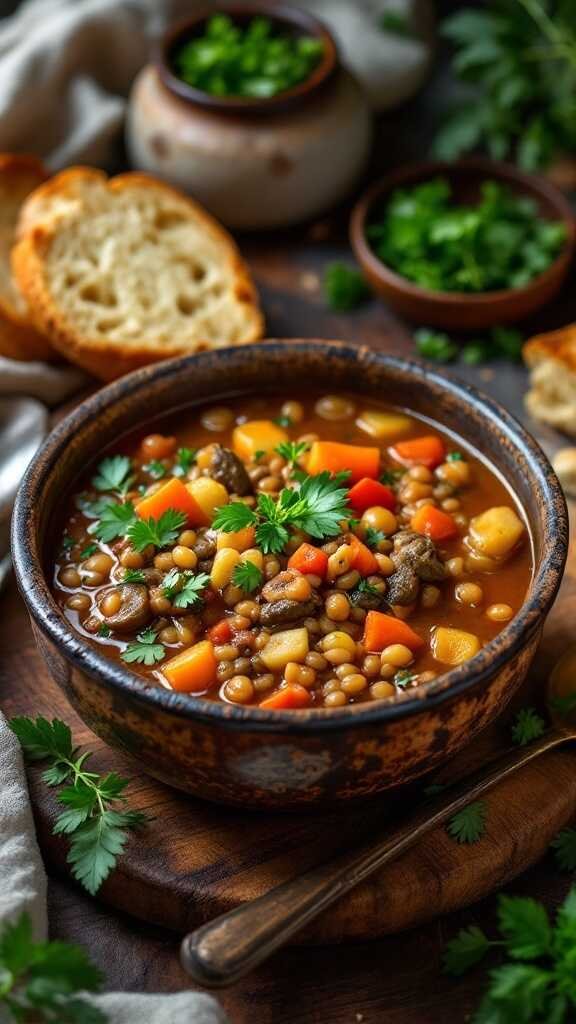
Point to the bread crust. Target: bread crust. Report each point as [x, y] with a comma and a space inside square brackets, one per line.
[559, 345]
[108, 359]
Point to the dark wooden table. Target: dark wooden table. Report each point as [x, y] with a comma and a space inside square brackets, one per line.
[396, 979]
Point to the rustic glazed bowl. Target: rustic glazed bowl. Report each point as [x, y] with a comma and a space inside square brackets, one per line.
[281, 759]
[253, 162]
[460, 310]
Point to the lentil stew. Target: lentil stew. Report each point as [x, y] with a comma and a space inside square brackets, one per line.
[318, 552]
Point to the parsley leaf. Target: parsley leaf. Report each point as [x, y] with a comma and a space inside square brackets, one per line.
[259, 454]
[344, 287]
[184, 588]
[156, 469]
[564, 846]
[185, 459]
[91, 549]
[114, 474]
[67, 542]
[524, 926]
[144, 650]
[292, 450]
[372, 537]
[97, 831]
[158, 532]
[435, 345]
[466, 949]
[283, 421]
[468, 825]
[233, 517]
[247, 576]
[403, 678]
[134, 576]
[527, 726]
[115, 521]
[454, 457]
[364, 589]
[104, 630]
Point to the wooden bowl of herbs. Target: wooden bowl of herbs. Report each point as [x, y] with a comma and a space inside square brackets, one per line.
[464, 245]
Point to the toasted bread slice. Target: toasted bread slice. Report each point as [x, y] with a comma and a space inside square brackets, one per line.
[127, 271]
[552, 395]
[19, 175]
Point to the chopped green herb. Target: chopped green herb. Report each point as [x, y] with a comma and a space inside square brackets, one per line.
[184, 588]
[160, 533]
[91, 549]
[156, 469]
[468, 825]
[144, 650]
[247, 576]
[454, 457]
[253, 60]
[527, 726]
[467, 949]
[134, 576]
[67, 542]
[114, 474]
[292, 450]
[344, 287]
[364, 589]
[477, 352]
[403, 678]
[564, 846]
[396, 24]
[185, 459]
[283, 421]
[97, 830]
[564, 705]
[259, 455]
[435, 345]
[390, 477]
[318, 507]
[115, 521]
[104, 630]
[507, 343]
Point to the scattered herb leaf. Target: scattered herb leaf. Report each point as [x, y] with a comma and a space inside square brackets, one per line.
[104, 630]
[185, 459]
[396, 24]
[527, 726]
[344, 287]
[469, 824]
[403, 678]
[435, 345]
[159, 532]
[564, 846]
[144, 650]
[292, 450]
[114, 474]
[156, 469]
[247, 576]
[91, 549]
[364, 589]
[184, 588]
[283, 421]
[115, 521]
[134, 576]
[464, 951]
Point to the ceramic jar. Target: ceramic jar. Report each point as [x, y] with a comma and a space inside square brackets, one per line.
[254, 163]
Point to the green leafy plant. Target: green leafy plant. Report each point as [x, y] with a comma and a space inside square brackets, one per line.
[344, 287]
[114, 521]
[114, 474]
[403, 678]
[528, 725]
[435, 345]
[90, 549]
[96, 820]
[158, 532]
[185, 588]
[469, 824]
[372, 538]
[501, 343]
[537, 983]
[499, 242]
[364, 589]
[292, 451]
[40, 981]
[156, 469]
[247, 576]
[564, 846]
[185, 459]
[144, 650]
[519, 57]
[134, 576]
[317, 506]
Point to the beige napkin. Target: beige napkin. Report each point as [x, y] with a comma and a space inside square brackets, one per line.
[66, 66]
[23, 888]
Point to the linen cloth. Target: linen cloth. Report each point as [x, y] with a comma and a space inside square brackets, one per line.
[23, 888]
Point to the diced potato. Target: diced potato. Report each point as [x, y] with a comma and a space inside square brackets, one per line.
[255, 556]
[496, 531]
[257, 436]
[241, 540]
[289, 645]
[453, 646]
[223, 566]
[208, 493]
[385, 426]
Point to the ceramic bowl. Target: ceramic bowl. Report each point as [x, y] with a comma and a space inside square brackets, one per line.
[281, 759]
[456, 309]
[254, 163]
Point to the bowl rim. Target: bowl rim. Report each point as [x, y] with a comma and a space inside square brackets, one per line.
[283, 14]
[415, 172]
[45, 613]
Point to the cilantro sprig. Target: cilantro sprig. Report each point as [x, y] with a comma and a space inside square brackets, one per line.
[185, 588]
[95, 818]
[292, 451]
[115, 521]
[156, 469]
[114, 475]
[372, 537]
[364, 589]
[40, 981]
[185, 459]
[527, 726]
[469, 824]
[158, 532]
[317, 506]
[247, 576]
[537, 982]
[144, 650]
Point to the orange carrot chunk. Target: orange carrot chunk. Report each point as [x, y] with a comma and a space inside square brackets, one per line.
[308, 559]
[172, 494]
[335, 457]
[362, 558]
[367, 493]
[193, 670]
[221, 633]
[293, 696]
[419, 451]
[434, 523]
[381, 630]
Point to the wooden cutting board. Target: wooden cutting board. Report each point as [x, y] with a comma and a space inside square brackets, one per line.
[196, 860]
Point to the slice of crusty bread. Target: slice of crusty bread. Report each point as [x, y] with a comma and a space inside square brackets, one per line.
[552, 395]
[19, 175]
[127, 271]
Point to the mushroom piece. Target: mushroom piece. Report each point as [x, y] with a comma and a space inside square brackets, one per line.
[229, 470]
[278, 613]
[402, 586]
[419, 554]
[134, 611]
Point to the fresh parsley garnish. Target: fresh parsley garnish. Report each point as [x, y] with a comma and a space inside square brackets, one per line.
[184, 588]
[143, 650]
[396, 24]
[40, 981]
[364, 589]
[435, 345]
[292, 450]
[344, 287]
[95, 820]
[134, 576]
[403, 678]
[527, 726]
[67, 542]
[390, 477]
[537, 982]
[564, 846]
[564, 705]
[115, 521]
[454, 457]
[283, 421]
[114, 474]
[159, 532]
[156, 469]
[185, 459]
[372, 537]
[91, 549]
[247, 576]
[469, 824]
[259, 454]
[318, 507]
[104, 630]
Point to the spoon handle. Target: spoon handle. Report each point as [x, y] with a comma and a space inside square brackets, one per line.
[227, 948]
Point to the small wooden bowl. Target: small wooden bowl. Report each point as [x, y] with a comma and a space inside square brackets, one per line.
[462, 310]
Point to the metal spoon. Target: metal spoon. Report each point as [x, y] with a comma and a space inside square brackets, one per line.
[23, 426]
[224, 950]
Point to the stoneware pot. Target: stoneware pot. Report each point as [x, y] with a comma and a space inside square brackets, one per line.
[458, 309]
[281, 759]
[254, 163]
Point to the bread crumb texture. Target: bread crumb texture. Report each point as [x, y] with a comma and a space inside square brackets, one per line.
[552, 394]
